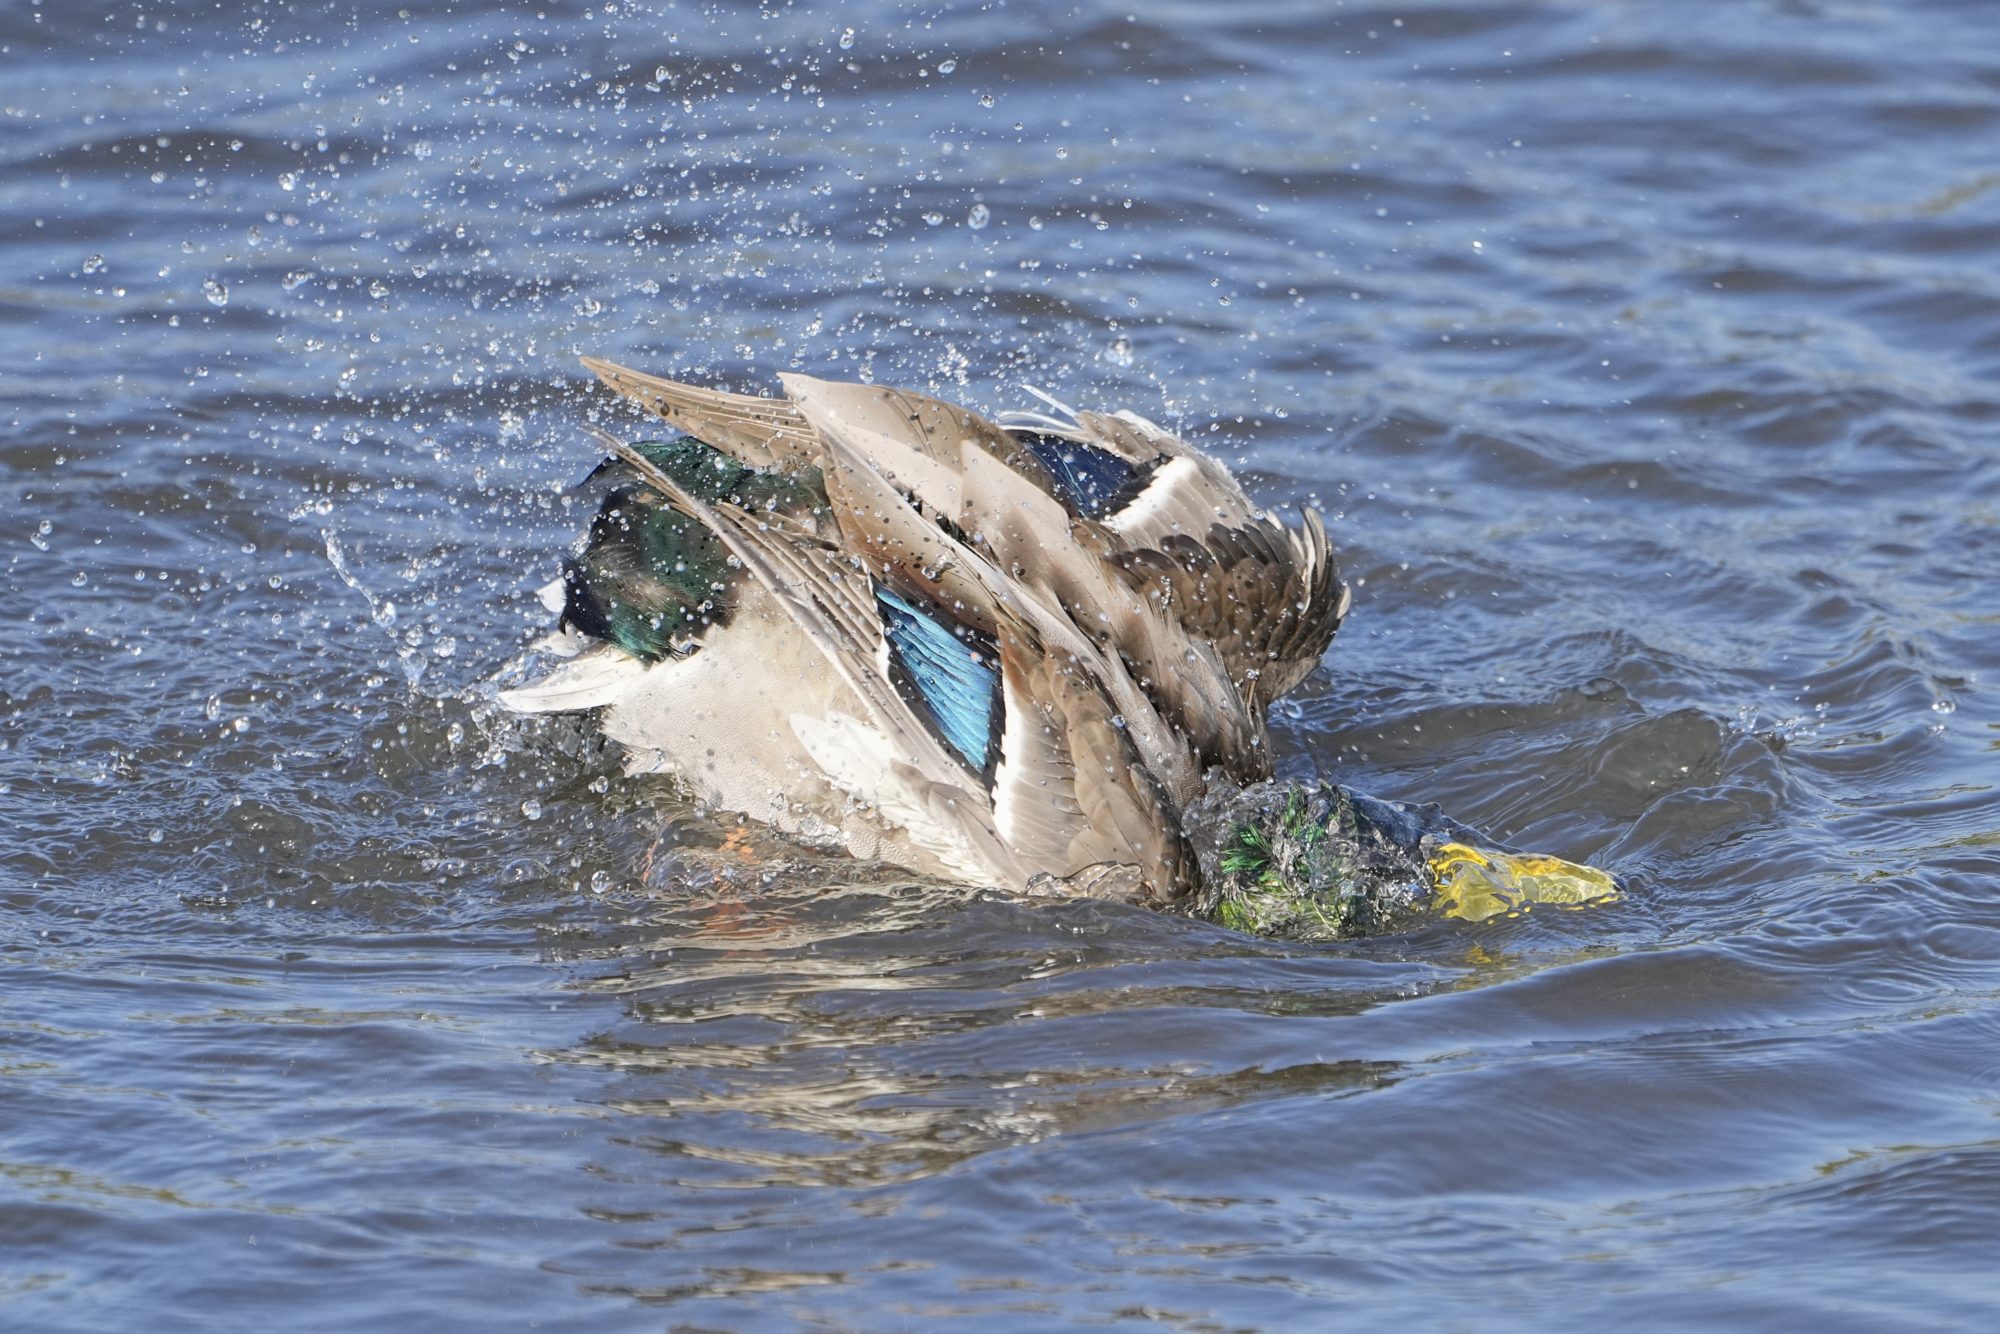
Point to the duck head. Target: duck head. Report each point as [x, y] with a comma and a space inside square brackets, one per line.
[1322, 862]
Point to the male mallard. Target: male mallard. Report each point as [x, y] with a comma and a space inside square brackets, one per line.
[1034, 653]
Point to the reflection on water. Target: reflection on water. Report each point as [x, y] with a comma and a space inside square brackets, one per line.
[1644, 360]
[860, 1039]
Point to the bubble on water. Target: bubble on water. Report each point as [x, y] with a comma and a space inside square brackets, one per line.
[600, 881]
[1035, 224]
[947, 67]
[385, 613]
[847, 39]
[986, 99]
[531, 809]
[933, 218]
[378, 289]
[213, 709]
[288, 180]
[79, 579]
[41, 535]
[600, 785]
[294, 280]
[95, 264]
[1120, 352]
[978, 216]
[156, 836]
[216, 290]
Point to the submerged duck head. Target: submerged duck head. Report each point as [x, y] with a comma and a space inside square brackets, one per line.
[1317, 861]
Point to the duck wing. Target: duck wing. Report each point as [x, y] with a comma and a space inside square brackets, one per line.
[1024, 503]
[1017, 561]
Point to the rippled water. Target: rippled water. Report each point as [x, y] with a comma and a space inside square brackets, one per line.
[1645, 352]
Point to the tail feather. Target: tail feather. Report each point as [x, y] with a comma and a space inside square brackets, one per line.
[598, 676]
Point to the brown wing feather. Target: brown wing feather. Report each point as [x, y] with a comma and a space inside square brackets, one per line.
[1071, 791]
[1128, 818]
[1264, 595]
[761, 432]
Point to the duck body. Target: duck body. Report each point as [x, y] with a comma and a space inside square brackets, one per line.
[1011, 653]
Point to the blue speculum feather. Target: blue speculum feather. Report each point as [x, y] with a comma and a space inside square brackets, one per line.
[953, 674]
[1089, 478]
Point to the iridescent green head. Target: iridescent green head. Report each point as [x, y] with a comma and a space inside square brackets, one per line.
[1322, 862]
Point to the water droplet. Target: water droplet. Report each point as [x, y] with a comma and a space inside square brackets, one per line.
[41, 535]
[600, 785]
[986, 99]
[79, 579]
[216, 290]
[156, 836]
[933, 218]
[95, 264]
[288, 180]
[213, 709]
[455, 734]
[847, 39]
[978, 216]
[1035, 224]
[294, 280]
[600, 881]
[378, 289]
[1120, 352]
[531, 809]
[385, 613]
[947, 67]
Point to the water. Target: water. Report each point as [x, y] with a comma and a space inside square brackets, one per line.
[1644, 354]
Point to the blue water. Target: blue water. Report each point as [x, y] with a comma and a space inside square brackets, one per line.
[1642, 356]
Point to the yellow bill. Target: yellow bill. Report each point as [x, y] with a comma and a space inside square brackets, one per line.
[1474, 884]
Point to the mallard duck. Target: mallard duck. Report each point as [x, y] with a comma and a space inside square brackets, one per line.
[1034, 653]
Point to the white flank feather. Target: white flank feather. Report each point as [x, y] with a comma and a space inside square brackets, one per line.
[862, 762]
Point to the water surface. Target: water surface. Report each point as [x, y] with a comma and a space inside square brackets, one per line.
[1643, 355]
